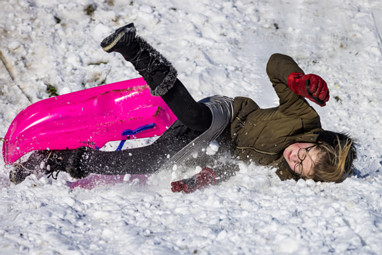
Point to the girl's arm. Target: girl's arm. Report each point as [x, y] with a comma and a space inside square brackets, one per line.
[279, 67]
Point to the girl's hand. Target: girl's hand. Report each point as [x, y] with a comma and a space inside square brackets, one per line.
[205, 178]
[310, 86]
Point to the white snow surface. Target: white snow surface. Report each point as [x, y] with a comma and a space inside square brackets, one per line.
[218, 47]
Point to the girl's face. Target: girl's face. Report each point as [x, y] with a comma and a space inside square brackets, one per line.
[301, 158]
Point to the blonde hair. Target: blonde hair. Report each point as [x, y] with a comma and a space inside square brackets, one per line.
[335, 161]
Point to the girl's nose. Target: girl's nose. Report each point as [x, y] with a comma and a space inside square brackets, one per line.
[294, 158]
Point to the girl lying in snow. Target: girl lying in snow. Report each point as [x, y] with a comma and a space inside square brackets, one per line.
[288, 137]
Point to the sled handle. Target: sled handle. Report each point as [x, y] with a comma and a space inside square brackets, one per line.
[129, 132]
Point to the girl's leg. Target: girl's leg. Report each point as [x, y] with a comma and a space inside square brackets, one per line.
[83, 161]
[144, 160]
[194, 115]
[160, 75]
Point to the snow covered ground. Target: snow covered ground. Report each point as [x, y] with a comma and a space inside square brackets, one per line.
[218, 47]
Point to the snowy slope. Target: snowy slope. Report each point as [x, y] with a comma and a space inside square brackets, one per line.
[218, 47]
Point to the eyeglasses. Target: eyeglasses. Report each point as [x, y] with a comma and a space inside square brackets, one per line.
[301, 154]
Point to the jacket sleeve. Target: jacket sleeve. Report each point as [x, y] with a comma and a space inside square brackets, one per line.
[278, 69]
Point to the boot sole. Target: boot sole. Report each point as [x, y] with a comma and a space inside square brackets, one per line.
[113, 43]
[118, 34]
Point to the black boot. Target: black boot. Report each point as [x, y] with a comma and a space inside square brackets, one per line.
[51, 163]
[122, 37]
[67, 161]
[34, 165]
[157, 71]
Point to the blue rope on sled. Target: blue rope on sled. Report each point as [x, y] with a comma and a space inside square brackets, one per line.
[129, 132]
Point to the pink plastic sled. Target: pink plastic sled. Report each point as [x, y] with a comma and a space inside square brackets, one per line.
[91, 117]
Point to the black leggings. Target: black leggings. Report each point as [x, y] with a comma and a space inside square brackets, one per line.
[193, 119]
[194, 115]
[143, 160]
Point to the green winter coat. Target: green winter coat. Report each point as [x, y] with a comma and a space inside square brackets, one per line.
[261, 135]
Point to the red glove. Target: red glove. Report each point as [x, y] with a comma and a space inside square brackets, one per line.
[310, 86]
[205, 178]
